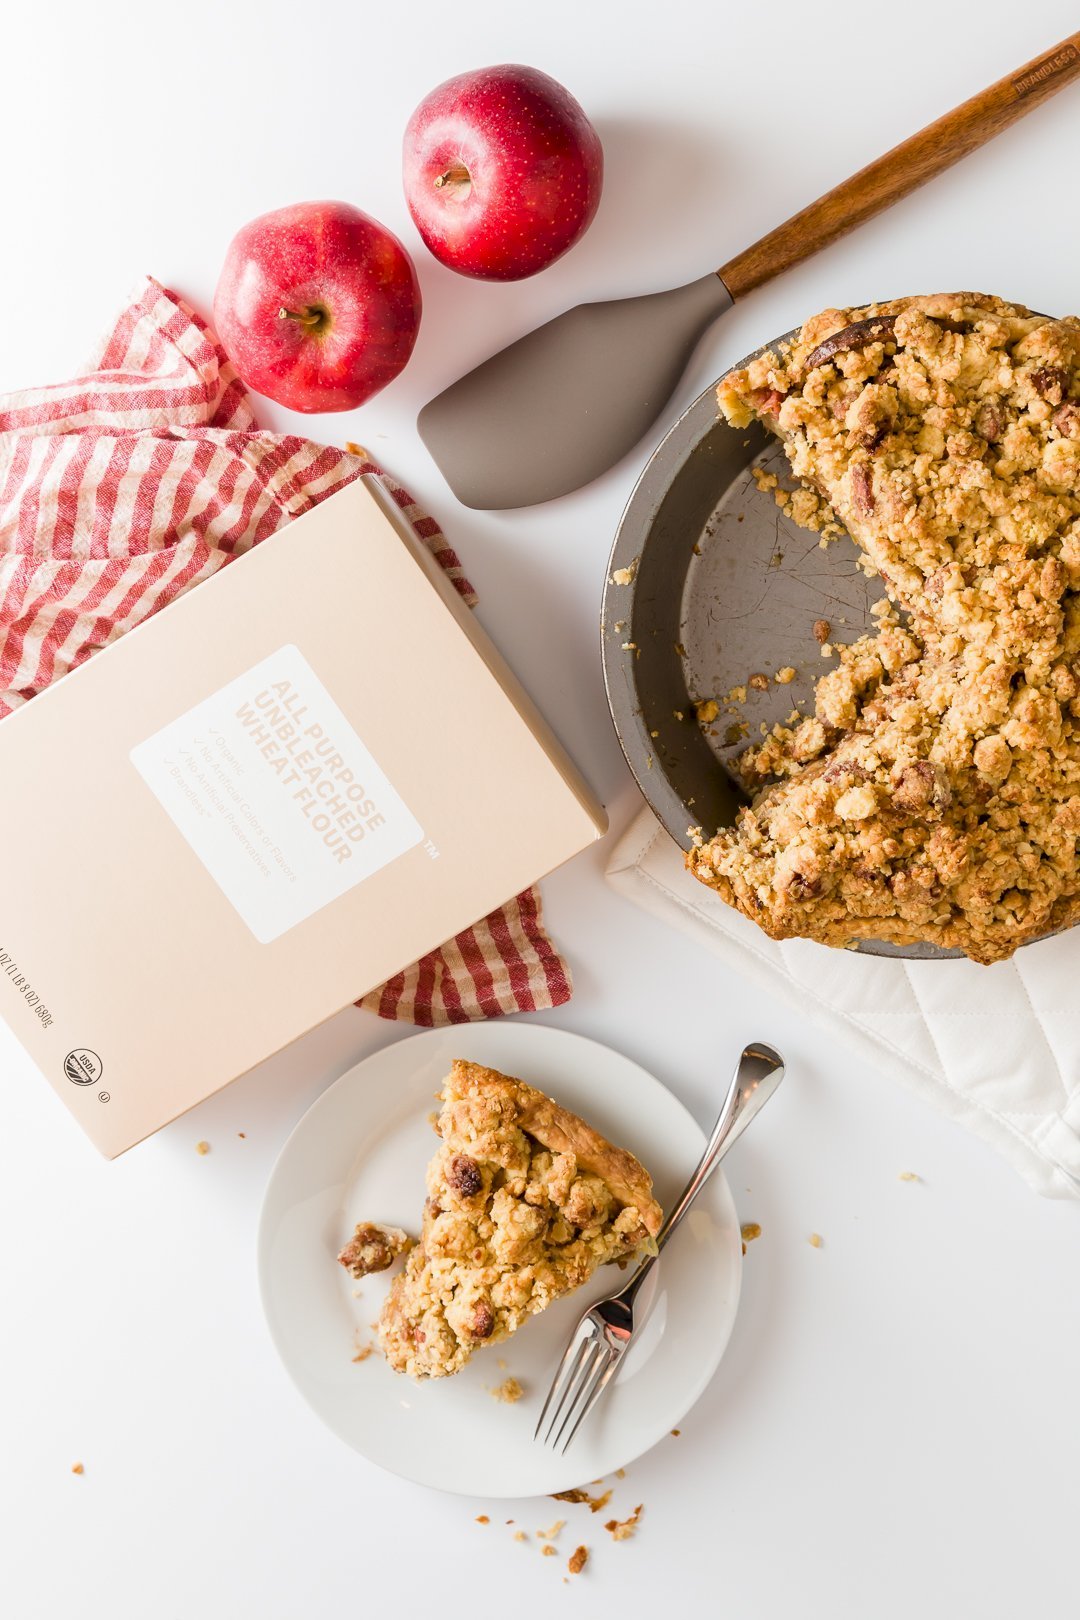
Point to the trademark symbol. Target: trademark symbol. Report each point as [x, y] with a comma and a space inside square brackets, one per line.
[431, 850]
[103, 1096]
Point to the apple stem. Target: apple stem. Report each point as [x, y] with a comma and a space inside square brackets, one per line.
[456, 175]
[306, 317]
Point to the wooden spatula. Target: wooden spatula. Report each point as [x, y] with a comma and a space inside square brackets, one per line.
[563, 404]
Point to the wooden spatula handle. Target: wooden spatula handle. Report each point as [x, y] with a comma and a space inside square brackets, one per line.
[891, 177]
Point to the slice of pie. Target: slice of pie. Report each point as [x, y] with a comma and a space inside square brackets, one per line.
[525, 1202]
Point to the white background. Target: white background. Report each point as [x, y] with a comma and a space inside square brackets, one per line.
[893, 1431]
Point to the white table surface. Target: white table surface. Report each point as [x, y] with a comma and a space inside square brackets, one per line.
[893, 1430]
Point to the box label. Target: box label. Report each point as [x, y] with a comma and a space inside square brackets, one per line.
[276, 794]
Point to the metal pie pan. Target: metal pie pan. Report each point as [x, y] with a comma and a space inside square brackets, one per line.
[723, 586]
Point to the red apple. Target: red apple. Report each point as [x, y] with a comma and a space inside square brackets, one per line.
[502, 172]
[317, 306]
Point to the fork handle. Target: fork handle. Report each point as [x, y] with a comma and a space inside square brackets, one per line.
[759, 1071]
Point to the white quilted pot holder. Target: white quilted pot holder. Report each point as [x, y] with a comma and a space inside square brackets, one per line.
[997, 1048]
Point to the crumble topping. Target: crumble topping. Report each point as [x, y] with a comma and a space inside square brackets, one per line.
[935, 793]
[510, 1391]
[373, 1247]
[525, 1202]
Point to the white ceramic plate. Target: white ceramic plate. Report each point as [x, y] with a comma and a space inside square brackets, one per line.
[360, 1153]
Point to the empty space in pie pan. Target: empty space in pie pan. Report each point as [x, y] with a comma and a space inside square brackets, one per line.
[720, 585]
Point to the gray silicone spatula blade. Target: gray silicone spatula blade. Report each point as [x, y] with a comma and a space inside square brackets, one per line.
[564, 403]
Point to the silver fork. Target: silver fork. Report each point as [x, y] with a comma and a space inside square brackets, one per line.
[602, 1336]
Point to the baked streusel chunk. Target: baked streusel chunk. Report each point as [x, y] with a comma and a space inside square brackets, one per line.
[525, 1201]
[935, 794]
[373, 1247]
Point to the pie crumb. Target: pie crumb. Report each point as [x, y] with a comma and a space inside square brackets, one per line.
[363, 1352]
[510, 1390]
[373, 1247]
[750, 1230]
[706, 711]
[623, 1529]
[785, 676]
[482, 1518]
[909, 1175]
[77, 1468]
[620, 1473]
[519, 1535]
[203, 1148]
[547, 1551]
[676, 1433]
[580, 1495]
[816, 1240]
[577, 1560]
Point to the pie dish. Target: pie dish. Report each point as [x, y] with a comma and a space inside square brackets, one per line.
[525, 1203]
[934, 795]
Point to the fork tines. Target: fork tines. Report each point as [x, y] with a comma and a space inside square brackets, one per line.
[582, 1374]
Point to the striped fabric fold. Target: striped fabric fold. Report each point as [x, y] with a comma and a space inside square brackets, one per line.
[141, 478]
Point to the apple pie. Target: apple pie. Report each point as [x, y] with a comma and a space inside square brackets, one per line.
[935, 793]
[525, 1201]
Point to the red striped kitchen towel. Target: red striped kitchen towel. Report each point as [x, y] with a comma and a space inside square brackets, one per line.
[125, 487]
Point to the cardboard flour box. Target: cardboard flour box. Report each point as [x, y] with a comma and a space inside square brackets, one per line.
[255, 807]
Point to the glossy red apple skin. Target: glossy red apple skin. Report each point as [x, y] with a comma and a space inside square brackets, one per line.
[535, 170]
[352, 298]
